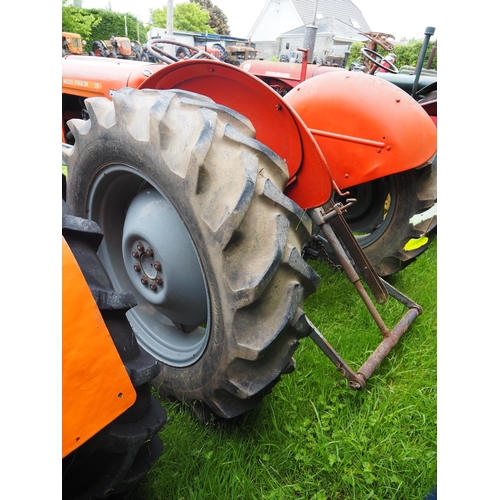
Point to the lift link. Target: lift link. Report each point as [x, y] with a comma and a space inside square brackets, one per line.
[346, 249]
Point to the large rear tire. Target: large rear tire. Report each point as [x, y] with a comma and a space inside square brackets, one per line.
[196, 224]
[115, 460]
[395, 218]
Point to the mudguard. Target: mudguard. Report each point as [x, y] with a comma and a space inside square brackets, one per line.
[91, 398]
[366, 127]
[277, 124]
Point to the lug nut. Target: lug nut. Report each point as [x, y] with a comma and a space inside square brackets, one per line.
[149, 252]
[159, 280]
[137, 267]
[135, 254]
[144, 280]
[158, 265]
[140, 246]
[153, 286]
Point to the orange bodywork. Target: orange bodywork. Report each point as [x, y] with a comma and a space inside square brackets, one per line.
[91, 398]
[73, 42]
[336, 129]
[277, 125]
[366, 127]
[290, 73]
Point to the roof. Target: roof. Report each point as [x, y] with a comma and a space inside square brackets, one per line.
[344, 10]
[340, 29]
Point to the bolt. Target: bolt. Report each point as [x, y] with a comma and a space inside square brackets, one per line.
[153, 286]
[159, 280]
[144, 280]
[149, 252]
[157, 265]
[278, 107]
[137, 267]
[140, 246]
[135, 254]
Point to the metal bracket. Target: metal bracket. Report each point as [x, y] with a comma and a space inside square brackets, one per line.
[380, 288]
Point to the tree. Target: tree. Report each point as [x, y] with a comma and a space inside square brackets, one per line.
[78, 20]
[218, 20]
[187, 17]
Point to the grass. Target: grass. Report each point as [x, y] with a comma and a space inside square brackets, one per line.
[312, 437]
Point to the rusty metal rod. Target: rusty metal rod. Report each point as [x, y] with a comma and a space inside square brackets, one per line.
[353, 276]
[387, 344]
[358, 380]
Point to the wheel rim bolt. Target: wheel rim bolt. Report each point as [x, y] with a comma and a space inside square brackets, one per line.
[149, 252]
[144, 280]
[157, 265]
[137, 267]
[153, 286]
[159, 280]
[140, 247]
[135, 254]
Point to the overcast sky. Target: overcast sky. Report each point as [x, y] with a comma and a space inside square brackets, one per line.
[397, 17]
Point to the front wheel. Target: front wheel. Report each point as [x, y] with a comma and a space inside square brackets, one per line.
[196, 225]
[394, 218]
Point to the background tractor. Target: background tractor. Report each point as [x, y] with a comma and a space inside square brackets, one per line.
[118, 47]
[72, 44]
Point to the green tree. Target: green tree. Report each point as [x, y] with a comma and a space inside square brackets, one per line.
[113, 23]
[218, 20]
[187, 17]
[78, 20]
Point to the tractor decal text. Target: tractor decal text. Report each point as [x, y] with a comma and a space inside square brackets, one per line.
[82, 83]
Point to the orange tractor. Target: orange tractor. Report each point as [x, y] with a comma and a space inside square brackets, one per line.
[72, 44]
[110, 424]
[118, 47]
[211, 193]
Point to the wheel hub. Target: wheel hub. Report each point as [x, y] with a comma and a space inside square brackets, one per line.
[161, 261]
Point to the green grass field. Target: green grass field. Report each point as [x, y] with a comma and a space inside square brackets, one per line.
[313, 438]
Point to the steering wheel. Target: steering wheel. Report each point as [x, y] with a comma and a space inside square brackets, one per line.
[164, 56]
[377, 59]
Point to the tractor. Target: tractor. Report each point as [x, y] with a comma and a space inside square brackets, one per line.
[211, 193]
[118, 47]
[72, 44]
[110, 424]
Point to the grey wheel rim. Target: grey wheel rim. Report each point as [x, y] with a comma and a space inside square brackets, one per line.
[149, 251]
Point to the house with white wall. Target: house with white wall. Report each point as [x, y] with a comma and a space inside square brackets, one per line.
[280, 17]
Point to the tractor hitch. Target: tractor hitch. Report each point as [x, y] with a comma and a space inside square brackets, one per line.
[350, 255]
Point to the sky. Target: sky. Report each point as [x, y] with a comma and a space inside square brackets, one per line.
[396, 17]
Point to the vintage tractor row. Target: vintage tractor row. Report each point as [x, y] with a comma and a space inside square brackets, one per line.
[211, 191]
[118, 47]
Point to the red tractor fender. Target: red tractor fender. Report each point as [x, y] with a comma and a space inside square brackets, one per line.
[288, 73]
[366, 127]
[277, 124]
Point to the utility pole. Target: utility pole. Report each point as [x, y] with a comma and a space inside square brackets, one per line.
[170, 26]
